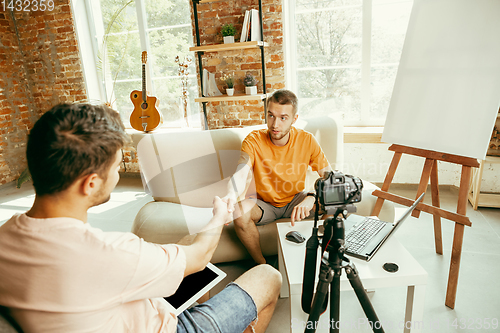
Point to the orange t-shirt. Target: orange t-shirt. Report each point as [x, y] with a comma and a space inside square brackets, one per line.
[280, 172]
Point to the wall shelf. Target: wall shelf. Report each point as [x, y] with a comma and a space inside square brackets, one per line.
[235, 97]
[228, 47]
[201, 49]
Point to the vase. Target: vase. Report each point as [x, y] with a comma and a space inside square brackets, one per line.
[230, 91]
[252, 90]
[228, 39]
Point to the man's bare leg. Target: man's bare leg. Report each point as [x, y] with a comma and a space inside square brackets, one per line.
[263, 283]
[246, 215]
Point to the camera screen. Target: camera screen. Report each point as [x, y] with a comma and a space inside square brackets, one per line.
[334, 195]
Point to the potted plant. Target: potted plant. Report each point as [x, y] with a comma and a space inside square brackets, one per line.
[229, 81]
[250, 84]
[228, 31]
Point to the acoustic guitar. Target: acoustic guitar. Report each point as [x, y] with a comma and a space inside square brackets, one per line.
[145, 116]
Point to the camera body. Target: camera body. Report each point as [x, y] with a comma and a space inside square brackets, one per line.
[337, 189]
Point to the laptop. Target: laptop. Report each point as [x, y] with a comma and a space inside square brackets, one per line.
[365, 235]
[193, 287]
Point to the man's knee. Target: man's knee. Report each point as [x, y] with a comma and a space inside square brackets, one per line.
[247, 211]
[268, 274]
[263, 283]
[272, 274]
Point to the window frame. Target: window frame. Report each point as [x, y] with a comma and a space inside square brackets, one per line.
[90, 30]
[366, 66]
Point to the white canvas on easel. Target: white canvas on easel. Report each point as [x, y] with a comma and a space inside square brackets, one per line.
[447, 91]
[443, 106]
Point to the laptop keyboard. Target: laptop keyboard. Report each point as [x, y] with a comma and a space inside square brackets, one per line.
[357, 238]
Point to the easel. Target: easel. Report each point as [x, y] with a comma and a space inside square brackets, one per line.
[430, 170]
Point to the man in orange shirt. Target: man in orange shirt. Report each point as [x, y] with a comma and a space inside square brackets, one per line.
[279, 157]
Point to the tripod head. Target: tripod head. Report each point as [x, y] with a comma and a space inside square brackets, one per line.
[334, 231]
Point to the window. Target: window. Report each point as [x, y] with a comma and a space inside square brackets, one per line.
[343, 55]
[119, 30]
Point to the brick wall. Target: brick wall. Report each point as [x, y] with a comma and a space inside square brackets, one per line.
[211, 18]
[39, 67]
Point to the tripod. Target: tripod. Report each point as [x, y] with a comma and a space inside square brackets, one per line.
[332, 263]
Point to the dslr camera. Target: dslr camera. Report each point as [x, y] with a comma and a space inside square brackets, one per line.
[336, 189]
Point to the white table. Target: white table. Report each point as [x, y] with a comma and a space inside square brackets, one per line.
[411, 274]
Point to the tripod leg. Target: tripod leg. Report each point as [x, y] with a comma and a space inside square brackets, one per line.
[354, 280]
[335, 304]
[325, 279]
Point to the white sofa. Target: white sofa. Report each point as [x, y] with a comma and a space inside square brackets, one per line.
[184, 170]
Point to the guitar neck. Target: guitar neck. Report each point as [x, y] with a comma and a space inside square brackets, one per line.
[144, 97]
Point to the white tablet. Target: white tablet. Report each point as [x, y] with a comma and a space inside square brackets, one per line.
[193, 287]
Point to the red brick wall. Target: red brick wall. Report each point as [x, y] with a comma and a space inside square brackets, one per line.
[211, 18]
[39, 67]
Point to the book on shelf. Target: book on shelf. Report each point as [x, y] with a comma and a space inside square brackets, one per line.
[244, 28]
[255, 26]
[250, 30]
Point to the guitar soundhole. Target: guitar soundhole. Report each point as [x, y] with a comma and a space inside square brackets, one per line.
[135, 95]
[144, 106]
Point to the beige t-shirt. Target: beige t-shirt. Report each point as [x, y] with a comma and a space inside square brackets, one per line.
[62, 275]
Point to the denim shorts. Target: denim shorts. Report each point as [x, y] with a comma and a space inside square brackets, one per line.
[230, 311]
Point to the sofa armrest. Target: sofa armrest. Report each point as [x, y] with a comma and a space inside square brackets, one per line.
[160, 222]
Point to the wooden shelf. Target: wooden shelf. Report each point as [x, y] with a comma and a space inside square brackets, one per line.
[491, 200]
[237, 46]
[476, 197]
[235, 97]
[228, 47]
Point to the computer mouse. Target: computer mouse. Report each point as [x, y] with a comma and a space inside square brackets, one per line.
[295, 236]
